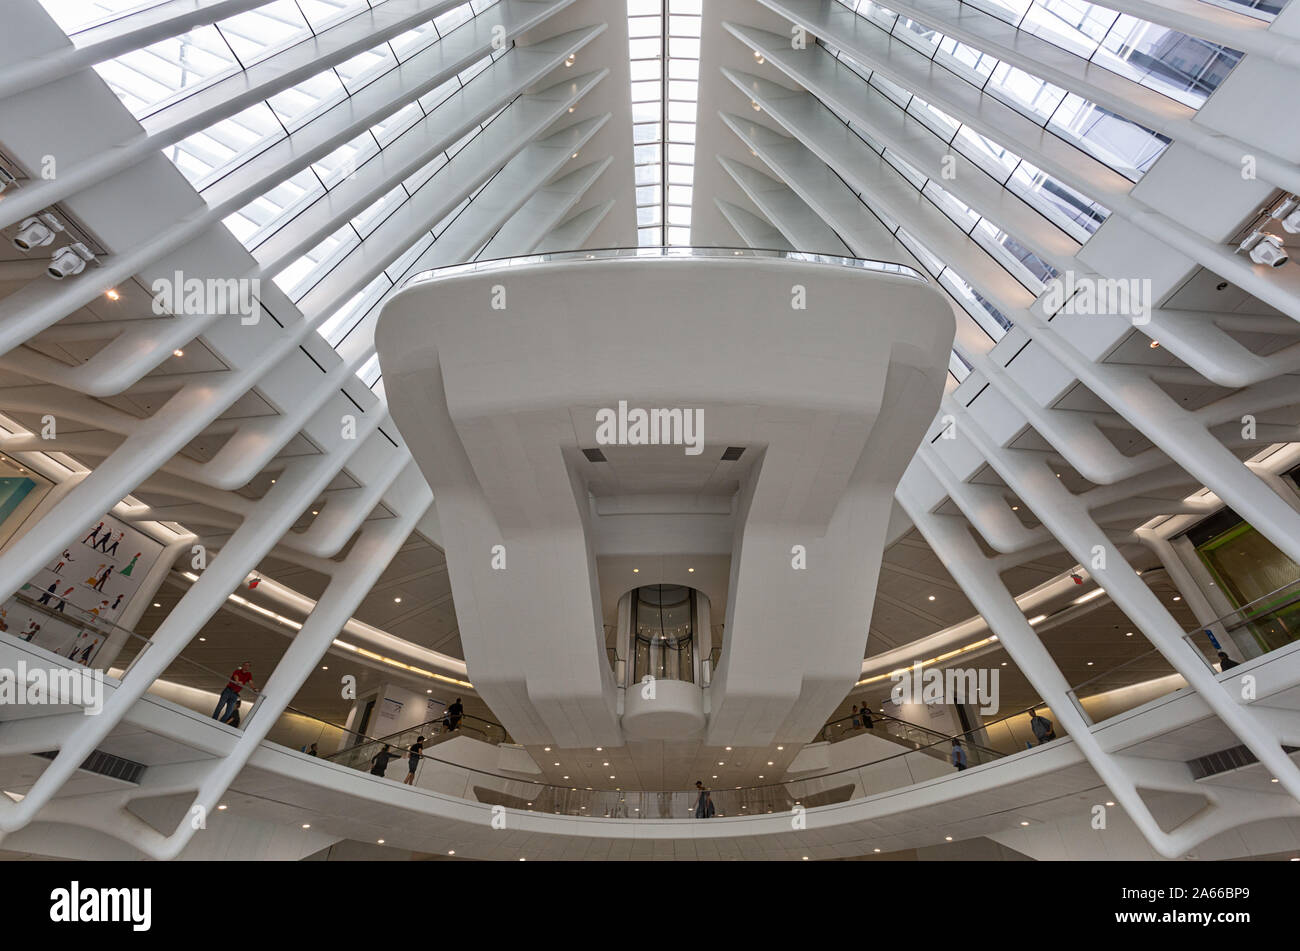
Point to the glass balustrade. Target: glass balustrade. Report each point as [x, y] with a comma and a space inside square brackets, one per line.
[1253, 630]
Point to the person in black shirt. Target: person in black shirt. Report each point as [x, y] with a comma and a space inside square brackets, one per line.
[454, 713]
[1226, 662]
[379, 762]
[413, 761]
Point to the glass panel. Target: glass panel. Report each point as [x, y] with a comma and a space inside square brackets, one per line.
[1180, 66]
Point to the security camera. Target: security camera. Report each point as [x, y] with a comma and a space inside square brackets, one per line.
[34, 233]
[1268, 250]
[66, 263]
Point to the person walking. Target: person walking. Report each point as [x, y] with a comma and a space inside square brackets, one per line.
[958, 755]
[704, 803]
[413, 761]
[857, 724]
[1042, 727]
[454, 714]
[228, 703]
[379, 762]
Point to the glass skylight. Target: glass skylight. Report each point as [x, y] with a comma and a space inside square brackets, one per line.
[664, 48]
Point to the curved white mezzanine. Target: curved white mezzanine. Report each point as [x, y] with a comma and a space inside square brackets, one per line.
[463, 811]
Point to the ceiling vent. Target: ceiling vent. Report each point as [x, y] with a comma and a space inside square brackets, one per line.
[594, 455]
[732, 453]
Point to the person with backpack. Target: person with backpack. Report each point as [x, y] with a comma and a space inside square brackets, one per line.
[1042, 727]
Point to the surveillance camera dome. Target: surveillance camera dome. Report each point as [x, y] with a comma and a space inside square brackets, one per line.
[33, 233]
[1269, 251]
[65, 263]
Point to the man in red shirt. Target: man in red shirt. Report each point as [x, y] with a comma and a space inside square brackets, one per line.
[228, 704]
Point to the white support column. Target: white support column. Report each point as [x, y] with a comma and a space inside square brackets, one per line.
[1068, 519]
[270, 519]
[378, 543]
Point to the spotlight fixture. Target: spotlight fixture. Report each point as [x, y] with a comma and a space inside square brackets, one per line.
[37, 232]
[69, 261]
[1287, 212]
[1265, 248]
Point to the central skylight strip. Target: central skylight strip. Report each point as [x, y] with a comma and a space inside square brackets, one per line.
[664, 54]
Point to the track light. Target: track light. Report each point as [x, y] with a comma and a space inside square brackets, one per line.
[37, 232]
[1269, 251]
[1265, 248]
[1288, 213]
[69, 261]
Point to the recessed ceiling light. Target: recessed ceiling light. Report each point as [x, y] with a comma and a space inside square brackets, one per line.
[1177, 598]
[636, 571]
[1024, 823]
[728, 749]
[379, 841]
[323, 667]
[221, 808]
[947, 838]
[875, 850]
[112, 294]
[315, 512]
[204, 639]
[770, 763]
[1110, 804]
[395, 600]
[546, 749]
[691, 570]
[451, 851]
[805, 858]
[931, 597]
[599, 748]
[178, 353]
[157, 605]
[306, 825]
[557, 764]
[780, 747]
[1129, 634]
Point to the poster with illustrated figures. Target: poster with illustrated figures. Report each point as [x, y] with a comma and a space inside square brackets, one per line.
[69, 605]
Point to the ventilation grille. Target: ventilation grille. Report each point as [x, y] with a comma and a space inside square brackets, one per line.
[106, 764]
[1225, 761]
[594, 455]
[732, 453]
